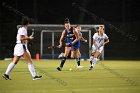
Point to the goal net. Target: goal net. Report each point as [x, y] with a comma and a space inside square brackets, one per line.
[46, 35]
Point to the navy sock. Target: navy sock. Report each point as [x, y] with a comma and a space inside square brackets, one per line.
[62, 62]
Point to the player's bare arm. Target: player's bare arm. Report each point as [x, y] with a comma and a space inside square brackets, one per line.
[22, 37]
[83, 39]
[106, 41]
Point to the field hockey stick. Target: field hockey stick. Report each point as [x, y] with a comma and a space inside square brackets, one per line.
[53, 47]
[32, 33]
[30, 42]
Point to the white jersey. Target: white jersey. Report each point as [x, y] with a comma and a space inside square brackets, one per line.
[99, 40]
[21, 46]
[21, 31]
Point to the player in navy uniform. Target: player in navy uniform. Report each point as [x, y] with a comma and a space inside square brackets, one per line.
[78, 54]
[71, 44]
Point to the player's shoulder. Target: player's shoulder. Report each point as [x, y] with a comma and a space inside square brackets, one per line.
[64, 31]
[95, 35]
[104, 34]
[22, 30]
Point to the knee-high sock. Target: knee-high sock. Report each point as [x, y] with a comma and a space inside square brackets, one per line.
[94, 62]
[62, 62]
[9, 68]
[78, 61]
[31, 69]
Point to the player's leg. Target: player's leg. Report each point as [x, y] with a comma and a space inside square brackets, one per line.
[75, 53]
[67, 50]
[94, 60]
[92, 53]
[31, 68]
[78, 57]
[61, 55]
[91, 57]
[96, 55]
[10, 67]
[18, 51]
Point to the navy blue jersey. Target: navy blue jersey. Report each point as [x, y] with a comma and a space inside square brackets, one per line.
[69, 36]
[77, 44]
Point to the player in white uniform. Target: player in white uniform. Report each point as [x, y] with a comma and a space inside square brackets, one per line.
[99, 41]
[22, 50]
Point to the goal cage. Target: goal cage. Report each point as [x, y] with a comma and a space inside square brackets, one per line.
[46, 35]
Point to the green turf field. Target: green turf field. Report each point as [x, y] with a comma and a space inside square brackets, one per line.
[107, 77]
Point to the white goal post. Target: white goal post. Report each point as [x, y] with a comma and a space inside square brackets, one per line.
[53, 40]
[52, 30]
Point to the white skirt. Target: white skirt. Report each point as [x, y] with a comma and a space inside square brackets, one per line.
[19, 50]
[100, 49]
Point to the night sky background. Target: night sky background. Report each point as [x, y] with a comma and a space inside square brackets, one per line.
[121, 18]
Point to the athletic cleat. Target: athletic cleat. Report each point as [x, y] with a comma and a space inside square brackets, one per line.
[36, 77]
[58, 68]
[6, 77]
[61, 55]
[91, 68]
[80, 66]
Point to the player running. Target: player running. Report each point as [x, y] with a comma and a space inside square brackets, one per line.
[81, 38]
[100, 39]
[78, 54]
[71, 42]
[22, 50]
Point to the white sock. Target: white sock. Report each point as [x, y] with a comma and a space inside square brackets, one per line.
[94, 62]
[91, 58]
[31, 69]
[9, 68]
